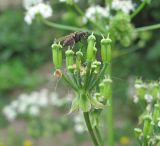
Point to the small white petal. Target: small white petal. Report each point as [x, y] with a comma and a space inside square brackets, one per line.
[148, 98]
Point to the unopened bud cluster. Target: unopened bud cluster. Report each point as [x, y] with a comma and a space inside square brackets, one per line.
[149, 133]
[147, 93]
[85, 74]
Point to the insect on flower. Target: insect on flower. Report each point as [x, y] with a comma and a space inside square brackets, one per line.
[73, 38]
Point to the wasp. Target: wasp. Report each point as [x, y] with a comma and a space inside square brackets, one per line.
[73, 38]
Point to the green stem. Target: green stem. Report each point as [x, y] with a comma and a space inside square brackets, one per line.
[108, 3]
[88, 124]
[99, 76]
[110, 132]
[139, 8]
[147, 28]
[99, 136]
[87, 78]
[66, 27]
[63, 27]
[68, 80]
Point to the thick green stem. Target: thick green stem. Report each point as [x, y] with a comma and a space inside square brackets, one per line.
[89, 126]
[147, 28]
[139, 8]
[110, 132]
[99, 136]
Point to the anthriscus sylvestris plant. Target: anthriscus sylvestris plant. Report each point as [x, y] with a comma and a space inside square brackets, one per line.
[148, 95]
[88, 78]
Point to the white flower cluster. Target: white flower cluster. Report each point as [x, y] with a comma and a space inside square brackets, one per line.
[124, 5]
[95, 12]
[79, 126]
[33, 103]
[29, 3]
[35, 7]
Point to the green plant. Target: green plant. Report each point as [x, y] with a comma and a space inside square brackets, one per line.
[17, 41]
[15, 74]
[94, 90]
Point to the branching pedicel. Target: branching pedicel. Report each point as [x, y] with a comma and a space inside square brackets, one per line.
[86, 76]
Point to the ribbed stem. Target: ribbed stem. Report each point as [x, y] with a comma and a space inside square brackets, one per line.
[139, 8]
[147, 28]
[99, 136]
[89, 126]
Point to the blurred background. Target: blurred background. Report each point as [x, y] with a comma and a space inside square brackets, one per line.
[41, 101]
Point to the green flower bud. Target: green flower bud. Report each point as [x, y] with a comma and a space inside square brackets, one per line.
[57, 55]
[90, 49]
[71, 68]
[99, 97]
[95, 101]
[154, 89]
[69, 58]
[79, 56]
[138, 132]
[101, 87]
[96, 66]
[156, 112]
[106, 50]
[140, 88]
[107, 87]
[147, 127]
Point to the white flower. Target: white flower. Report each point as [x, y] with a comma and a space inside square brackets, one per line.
[29, 3]
[9, 113]
[55, 100]
[34, 110]
[43, 101]
[22, 108]
[14, 104]
[148, 98]
[141, 85]
[79, 128]
[43, 9]
[95, 12]
[125, 5]
[78, 118]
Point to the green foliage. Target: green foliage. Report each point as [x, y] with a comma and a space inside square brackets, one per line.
[14, 74]
[17, 40]
[121, 29]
